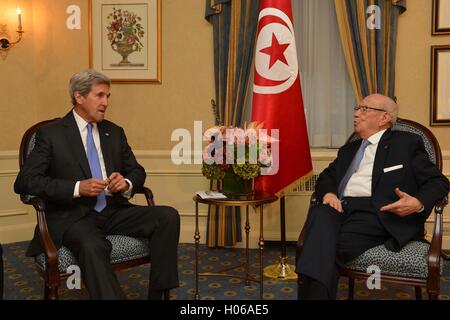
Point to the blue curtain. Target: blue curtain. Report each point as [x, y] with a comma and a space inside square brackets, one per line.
[234, 26]
[370, 54]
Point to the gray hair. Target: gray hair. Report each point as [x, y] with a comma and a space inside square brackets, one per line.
[387, 104]
[392, 108]
[394, 116]
[83, 81]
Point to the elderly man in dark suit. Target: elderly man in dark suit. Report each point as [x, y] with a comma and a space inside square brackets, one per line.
[84, 168]
[379, 190]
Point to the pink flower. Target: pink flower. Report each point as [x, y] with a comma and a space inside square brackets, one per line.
[213, 133]
[208, 153]
[265, 158]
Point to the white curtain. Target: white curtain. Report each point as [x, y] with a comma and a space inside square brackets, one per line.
[327, 92]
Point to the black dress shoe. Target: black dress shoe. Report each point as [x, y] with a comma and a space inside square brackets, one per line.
[155, 294]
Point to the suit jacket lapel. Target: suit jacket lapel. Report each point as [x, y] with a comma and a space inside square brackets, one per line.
[380, 158]
[105, 145]
[74, 138]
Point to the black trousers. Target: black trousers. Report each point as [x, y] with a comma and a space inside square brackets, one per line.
[1, 272]
[86, 239]
[333, 239]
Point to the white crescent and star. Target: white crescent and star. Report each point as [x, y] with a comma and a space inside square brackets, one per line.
[276, 51]
[276, 57]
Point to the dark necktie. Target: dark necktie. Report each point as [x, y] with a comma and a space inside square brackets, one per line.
[94, 164]
[353, 167]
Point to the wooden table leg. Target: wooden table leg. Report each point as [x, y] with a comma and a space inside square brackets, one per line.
[261, 252]
[247, 252]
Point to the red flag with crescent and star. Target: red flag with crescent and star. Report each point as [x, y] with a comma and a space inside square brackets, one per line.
[277, 97]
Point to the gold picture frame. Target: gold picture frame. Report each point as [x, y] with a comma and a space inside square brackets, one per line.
[440, 82]
[125, 39]
[441, 17]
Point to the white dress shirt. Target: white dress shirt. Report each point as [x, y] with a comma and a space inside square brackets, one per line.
[82, 126]
[360, 183]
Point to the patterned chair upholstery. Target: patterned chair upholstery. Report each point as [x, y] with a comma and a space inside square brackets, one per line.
[419, 263]
[411, 261]
[126, 251]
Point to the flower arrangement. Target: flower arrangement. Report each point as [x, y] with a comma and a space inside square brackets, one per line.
[243, 151]
[125, 28]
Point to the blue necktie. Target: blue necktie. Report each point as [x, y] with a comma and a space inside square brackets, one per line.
[353, 167]
[94, 164]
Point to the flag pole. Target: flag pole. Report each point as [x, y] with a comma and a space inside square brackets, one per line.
[282, 270]
[278, 103]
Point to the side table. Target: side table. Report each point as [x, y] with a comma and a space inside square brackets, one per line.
[257, 200]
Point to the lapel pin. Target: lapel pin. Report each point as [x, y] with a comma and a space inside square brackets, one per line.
[385, 147]
[107, 134]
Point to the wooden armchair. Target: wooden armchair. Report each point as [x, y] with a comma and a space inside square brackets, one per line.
[419, 263]
[126, 251]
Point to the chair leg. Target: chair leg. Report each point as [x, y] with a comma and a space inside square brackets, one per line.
[418, 292]
[351, 288]
[446, 255]
[167, 294]
[50, 293]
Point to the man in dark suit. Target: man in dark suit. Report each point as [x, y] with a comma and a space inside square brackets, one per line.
[379, 190]
[84, 168]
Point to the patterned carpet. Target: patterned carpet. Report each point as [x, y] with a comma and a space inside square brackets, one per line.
[22, 281]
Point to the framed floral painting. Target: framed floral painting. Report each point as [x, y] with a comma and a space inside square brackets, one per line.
[441, 17]
[440, 82]
[125, 39]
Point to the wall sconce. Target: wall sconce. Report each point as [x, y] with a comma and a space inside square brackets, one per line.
[5, 43]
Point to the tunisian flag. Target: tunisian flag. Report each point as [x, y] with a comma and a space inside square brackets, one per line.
[277, 96]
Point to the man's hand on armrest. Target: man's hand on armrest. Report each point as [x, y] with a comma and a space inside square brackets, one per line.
[333, 201]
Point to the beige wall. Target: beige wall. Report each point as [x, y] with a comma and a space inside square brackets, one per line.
[39, 67]
[17, 84]
[413, 67]
[413, 74]
[35, 88]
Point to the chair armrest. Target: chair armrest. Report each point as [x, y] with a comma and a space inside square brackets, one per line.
[50, 252]
[312, 201]
[434, 254]
[36, 202]
[148, 195]
[440, 205]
